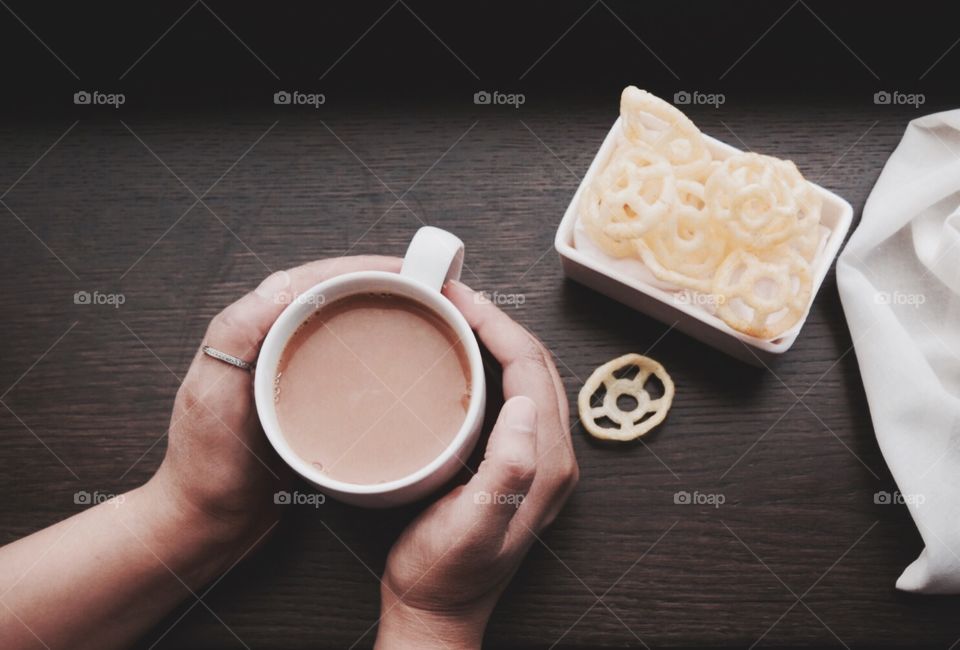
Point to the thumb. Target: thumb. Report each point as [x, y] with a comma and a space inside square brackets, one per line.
[508, 466]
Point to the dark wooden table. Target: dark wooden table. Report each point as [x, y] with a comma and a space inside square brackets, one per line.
[798, 554]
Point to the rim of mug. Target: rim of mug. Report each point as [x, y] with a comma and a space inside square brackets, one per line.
[300, 310]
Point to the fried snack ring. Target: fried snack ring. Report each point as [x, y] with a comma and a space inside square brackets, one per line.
[594, 222]
[650, 121]
[630, 424]
[637, 189]
[687, 246]
[634, 191]
[808, 242]
[808, 199]
[754, 289]
[757, 199]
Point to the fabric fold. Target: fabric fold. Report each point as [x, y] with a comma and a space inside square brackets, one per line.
[899, 282]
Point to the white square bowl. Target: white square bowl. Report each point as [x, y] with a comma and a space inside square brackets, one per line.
[664, 305]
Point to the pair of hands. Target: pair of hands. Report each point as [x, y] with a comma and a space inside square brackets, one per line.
[449, 567]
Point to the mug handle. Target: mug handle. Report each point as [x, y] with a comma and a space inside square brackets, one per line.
[433, 257]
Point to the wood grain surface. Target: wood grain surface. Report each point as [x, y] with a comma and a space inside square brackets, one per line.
[799, 553]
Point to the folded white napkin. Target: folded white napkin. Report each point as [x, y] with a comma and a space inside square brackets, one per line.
[899, 280]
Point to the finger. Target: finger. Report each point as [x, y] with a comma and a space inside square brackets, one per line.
[529, 370]
[506, 339]
[527, 366]
[493, 495]
[241, 327]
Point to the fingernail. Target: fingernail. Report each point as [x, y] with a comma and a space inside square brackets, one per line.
[274, 284]
[520, 414]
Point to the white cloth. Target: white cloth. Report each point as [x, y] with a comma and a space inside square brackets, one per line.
[899, 280]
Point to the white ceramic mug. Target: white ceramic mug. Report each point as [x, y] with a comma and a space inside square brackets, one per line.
[433, 257]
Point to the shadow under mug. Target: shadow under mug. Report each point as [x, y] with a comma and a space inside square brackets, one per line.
[433, 257]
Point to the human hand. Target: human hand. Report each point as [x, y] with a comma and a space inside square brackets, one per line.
[134, 557]
[447, 571]
[219, 470]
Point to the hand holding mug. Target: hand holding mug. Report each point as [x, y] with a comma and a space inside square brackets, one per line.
[219, 468]
[446, 572]
[210, 503]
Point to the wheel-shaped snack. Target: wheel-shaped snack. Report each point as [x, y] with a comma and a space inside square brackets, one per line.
[631, 424]
[686, 247]
[808, 242]
[763, 295]
[650, 121]
[637, 189]
[809, 201]
[757, 200]
[594, 224]
[633, 192]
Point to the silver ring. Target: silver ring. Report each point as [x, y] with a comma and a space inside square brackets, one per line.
[226, 358]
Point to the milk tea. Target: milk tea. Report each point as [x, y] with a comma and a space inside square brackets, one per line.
[372, 387]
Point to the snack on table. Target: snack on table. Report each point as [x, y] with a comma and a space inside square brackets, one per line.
[631, 424]
[743, 230]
